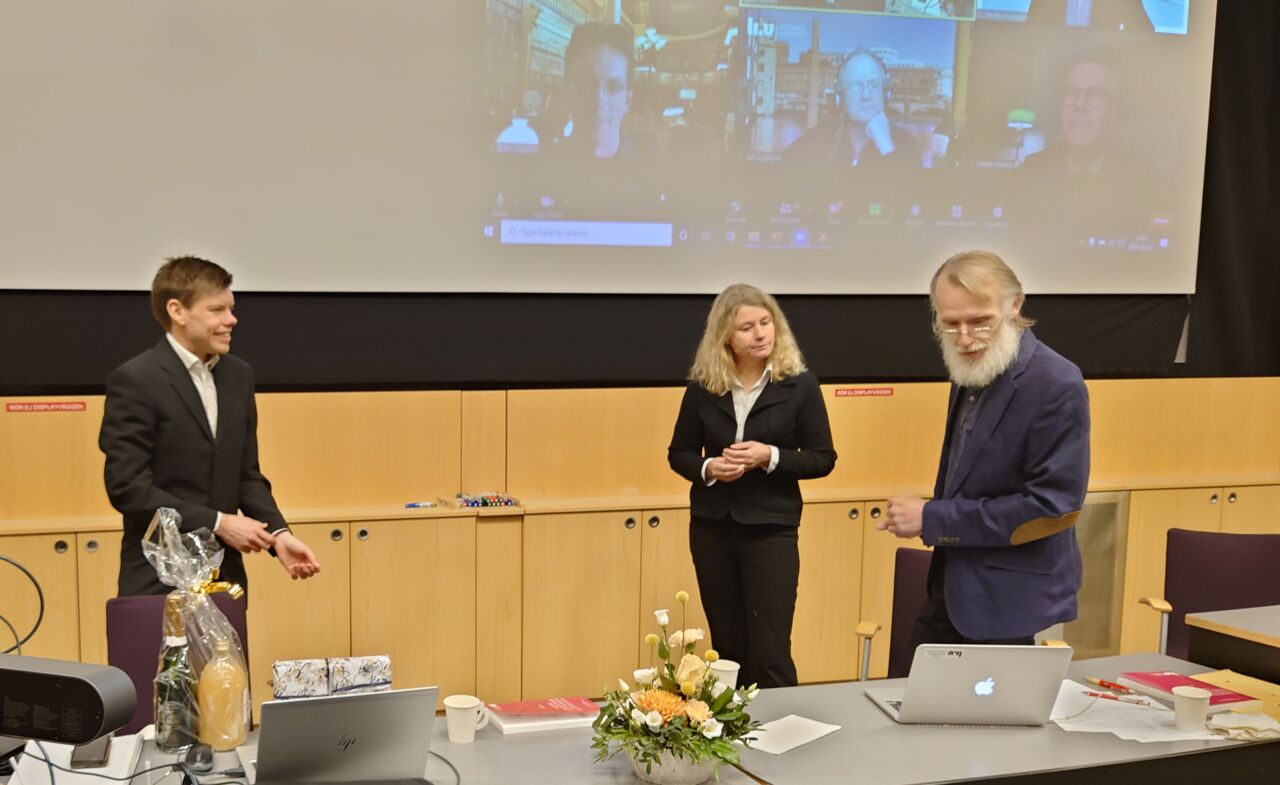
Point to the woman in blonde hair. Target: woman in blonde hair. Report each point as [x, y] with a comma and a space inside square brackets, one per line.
[751, 425]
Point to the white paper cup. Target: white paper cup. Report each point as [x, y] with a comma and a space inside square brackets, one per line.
[1190, 707]
[465, 716]
[726, 671]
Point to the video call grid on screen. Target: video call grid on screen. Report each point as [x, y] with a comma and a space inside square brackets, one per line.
[819, 146]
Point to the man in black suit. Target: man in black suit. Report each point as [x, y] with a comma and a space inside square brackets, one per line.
[180, 430]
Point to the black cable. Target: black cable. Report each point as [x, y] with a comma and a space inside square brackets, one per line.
[45, 760]
[39, 614]
[447, 763]
[17, 644]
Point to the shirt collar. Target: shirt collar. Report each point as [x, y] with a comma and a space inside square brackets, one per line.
[767, 375]
[187, 357]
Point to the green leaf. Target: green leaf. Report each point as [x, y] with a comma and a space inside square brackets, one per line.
[663, 651]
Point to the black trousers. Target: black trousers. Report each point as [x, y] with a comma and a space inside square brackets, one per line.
[747, 577]
[933, 625]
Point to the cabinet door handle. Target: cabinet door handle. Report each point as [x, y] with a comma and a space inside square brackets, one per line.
[875, 513]
[336, 535]
[854, 512]
[1213, 499]
[61, 546]
[630, 523]
[362, 534]
[1231, 498]
[91, 546]
[655, 522]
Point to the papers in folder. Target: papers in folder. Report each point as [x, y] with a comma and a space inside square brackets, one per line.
[788, 733]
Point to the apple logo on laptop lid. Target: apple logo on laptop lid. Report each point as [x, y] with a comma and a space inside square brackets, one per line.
[985, 687]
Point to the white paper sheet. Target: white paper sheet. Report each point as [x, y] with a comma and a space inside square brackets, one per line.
[788, 733]
[1077, 712]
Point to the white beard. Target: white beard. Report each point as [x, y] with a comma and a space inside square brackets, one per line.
[1001, 352]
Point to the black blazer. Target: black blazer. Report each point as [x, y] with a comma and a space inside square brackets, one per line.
[160, 453]
[789, 414]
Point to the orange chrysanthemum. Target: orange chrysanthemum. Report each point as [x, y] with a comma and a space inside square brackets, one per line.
[665, 703]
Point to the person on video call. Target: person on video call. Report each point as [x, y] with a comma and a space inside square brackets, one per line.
[598, 66]
[180, 430]
[859, 134]
[1013, 472]
[1086, 110]
[751, 425]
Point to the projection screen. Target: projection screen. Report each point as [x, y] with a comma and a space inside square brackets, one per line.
[641, 146]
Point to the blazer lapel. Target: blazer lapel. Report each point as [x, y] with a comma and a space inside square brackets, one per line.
[773, 394]
[725, 404]
[180, 380]
[995, 403]
[225, 399]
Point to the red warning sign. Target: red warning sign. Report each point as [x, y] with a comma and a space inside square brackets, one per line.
[864, 392]
[35, 407]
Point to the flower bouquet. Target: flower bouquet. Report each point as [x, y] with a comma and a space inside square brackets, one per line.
[680, 722]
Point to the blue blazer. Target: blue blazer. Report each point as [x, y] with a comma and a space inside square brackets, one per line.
[1006, 530]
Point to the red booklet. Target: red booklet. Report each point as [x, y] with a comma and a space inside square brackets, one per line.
[1160, 684]
[549, 714]
[551, 707]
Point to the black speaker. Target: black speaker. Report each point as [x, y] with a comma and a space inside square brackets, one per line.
[66, 702]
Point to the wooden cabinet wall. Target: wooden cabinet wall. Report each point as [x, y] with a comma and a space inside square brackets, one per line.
[51, 560]
[1152, 513]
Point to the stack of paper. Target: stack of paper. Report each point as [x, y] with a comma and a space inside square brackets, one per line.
[1078, 712]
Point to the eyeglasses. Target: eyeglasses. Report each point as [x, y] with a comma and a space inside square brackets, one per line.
[1093, 98]
[973, 331]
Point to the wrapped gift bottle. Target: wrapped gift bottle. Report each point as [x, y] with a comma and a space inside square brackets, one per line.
[175, 684]
[223, 693]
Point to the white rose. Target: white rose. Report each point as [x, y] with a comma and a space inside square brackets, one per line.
[679, 638]
[663, 618]
[691, 668]
[637, 716]
[654, 721]
[644, 675]
[718, 689]
[712, 728]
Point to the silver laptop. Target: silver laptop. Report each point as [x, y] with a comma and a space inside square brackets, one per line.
[977, 685]
[377, 737]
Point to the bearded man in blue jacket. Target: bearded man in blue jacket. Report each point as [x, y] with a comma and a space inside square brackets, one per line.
[1013, 472]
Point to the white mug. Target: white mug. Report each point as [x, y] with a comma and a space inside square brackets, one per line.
[726, 671]
[465, 716]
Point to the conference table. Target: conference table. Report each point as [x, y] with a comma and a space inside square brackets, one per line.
[1246, 640]
[869, 748]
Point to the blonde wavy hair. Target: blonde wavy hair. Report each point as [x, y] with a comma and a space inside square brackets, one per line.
[713, 364]
[974, 271]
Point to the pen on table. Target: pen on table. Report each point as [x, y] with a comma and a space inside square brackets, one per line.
[410, 505]
[1111, 685]
[1122, 698]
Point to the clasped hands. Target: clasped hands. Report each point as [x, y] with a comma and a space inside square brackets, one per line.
[250, 536]
[738, 459]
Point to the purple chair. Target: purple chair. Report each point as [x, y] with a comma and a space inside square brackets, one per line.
[910, 588]
[134, 637]
[1213, 571]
